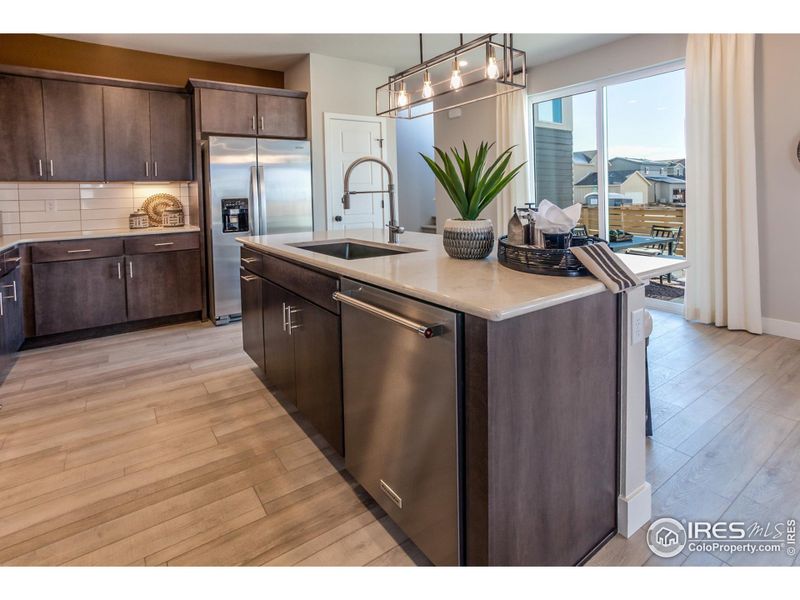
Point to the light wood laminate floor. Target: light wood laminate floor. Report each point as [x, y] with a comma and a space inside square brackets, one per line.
[163, 447]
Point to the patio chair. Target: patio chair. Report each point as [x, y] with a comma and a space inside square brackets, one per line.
[673, 235]
[580, 231]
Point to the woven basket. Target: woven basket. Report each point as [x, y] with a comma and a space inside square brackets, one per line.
[542, 261]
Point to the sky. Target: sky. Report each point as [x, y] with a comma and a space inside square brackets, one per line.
[645, 118]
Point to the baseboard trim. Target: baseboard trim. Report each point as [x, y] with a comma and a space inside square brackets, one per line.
[634, 511]
[662, 305]
[787, 329]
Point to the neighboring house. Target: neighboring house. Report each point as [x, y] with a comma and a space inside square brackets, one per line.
[643, 181]
[631, 185]
[583, 163]
[552, 147]
[668, 189]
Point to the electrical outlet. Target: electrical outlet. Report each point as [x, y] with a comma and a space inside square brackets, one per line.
[637, 326]
[454, 113]
[50, 206]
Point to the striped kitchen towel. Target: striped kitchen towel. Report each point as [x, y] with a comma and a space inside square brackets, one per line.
[606, 266]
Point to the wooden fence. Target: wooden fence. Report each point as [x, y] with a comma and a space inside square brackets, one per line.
[639, 219]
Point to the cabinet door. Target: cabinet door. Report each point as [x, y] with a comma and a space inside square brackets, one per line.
[318, 368]
[251, 287]
[78, 294]
[126, 127]
[278, 344]
[22, 152]
[11, 291]
[171, 136]
[73, 125]
[163, 284]
[223, 111]
[281, 116]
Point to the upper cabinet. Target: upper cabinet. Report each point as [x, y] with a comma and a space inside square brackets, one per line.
[279, 114]
[54, 130]
[147, 135]
[22, 153]
[73, 130]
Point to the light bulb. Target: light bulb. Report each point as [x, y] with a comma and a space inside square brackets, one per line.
[455, 78]
[402, 96]
[492, 70]
[427, 86]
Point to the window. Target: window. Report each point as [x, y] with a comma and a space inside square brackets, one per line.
[617, 147]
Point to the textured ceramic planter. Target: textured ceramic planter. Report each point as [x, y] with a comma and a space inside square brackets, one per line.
[468, 239]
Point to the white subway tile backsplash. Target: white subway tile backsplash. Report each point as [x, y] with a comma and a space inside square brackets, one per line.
[5, 185]
[115, 192]
[31, 205]
[52, 227]
[47, 185]
[102, 186]
[10, 216]
[67, 204]
[98, 224]
[9, 206]
[90, 204]
[50, 216]
[106, 213]
[10, 228]
[9, 194]
[53, 193]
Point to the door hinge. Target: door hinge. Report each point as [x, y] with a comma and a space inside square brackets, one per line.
[380, 142]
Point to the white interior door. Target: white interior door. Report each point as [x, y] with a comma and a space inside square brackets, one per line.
[346, 139]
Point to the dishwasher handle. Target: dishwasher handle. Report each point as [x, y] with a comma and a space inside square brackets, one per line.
[426, 331]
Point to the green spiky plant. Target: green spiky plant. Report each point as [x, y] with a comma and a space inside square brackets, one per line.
[469, 183]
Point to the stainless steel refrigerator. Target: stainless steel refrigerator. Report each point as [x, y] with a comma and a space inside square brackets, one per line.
[253, 187]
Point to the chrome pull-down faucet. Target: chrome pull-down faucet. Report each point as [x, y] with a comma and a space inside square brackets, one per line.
[394, 227]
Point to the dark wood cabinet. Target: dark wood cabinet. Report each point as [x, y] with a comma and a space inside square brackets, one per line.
[171, 136]
[73, 122]
[229, 112]
[126, 126]
[251, 287]
[11, 325]
[278, 344]
[281, 116]
[163, 283]
[318, 368]
[78, 294]
[22, 148]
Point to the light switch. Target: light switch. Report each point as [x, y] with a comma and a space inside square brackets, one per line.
[637, 326]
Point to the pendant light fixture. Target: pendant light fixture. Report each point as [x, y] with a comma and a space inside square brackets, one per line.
[489, 65]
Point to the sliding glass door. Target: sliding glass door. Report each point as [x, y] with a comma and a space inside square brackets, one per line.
[617, 147]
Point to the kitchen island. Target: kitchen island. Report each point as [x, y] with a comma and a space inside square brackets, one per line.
[547, 379]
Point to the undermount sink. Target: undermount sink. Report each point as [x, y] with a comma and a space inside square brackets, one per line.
[349, 250]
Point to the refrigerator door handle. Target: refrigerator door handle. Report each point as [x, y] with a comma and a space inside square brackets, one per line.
[262, 195]
[255, 203]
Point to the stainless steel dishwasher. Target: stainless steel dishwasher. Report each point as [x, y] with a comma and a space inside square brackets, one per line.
[402, 411]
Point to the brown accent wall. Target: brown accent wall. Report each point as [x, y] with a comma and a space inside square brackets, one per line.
[45, 52]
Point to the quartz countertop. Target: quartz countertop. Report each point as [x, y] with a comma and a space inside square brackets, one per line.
[9, 241]
[482, 288]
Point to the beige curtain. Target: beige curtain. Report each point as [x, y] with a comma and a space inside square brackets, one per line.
[723, 285]
[512, 130]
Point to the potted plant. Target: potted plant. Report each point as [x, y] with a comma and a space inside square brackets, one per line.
[472, 187]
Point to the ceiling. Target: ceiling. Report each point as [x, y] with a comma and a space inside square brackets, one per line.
[279, 51]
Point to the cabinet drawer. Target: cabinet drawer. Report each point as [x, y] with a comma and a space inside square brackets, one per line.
[8, 261]
[168, 242]
[311, 285]
[75, 250]
[252, 261]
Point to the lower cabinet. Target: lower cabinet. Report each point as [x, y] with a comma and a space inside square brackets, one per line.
[296, 342]
[11, 336]
[163, 284]
[78, 294]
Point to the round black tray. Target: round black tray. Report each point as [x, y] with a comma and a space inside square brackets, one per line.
[543, 261]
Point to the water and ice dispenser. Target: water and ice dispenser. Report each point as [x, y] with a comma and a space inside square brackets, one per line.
[235, 215]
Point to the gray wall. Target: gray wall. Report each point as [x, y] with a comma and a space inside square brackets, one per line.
[778, 172]
[416, 185]
[553, 151]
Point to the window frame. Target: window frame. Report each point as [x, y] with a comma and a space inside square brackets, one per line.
[599, 87]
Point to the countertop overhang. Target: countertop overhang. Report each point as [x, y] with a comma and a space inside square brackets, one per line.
[9, 241]
[483, 288]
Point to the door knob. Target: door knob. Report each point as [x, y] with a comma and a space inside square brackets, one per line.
[338, 218]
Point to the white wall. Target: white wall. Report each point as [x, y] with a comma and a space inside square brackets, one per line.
[336, 85]
[416, 184]
[778, 172]
[628, 54]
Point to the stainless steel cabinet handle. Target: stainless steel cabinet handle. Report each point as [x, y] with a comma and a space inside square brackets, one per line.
[147, 168]
[130, 267]
[249, 260]
[262, 123]
[2, 310]
[81, 251]
[254, 122]
[164, 244]
[249, 278]
[290, 312]
[155, 168]
[119, 270]
[13, 286]
[41, 173]
[284, 316]
[426, 331]
[51, 168]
